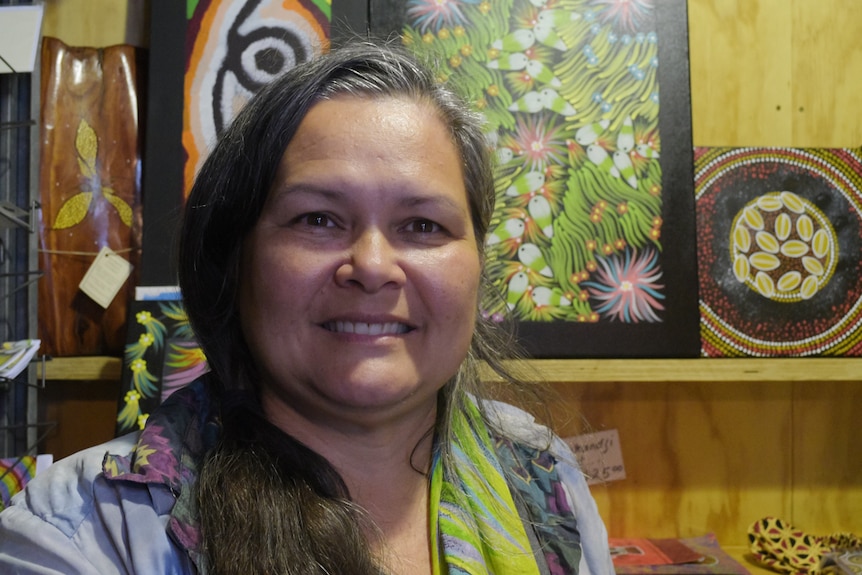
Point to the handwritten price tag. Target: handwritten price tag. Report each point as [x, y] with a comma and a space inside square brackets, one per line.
[105, 277]
[599, 455]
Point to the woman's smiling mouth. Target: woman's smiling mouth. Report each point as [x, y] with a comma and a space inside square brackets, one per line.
[365, 328]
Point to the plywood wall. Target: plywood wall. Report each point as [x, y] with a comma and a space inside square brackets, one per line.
[776, 72]
[714, 457]
[96, 23]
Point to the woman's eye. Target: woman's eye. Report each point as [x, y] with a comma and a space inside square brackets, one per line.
[316, 220]
[423, 227]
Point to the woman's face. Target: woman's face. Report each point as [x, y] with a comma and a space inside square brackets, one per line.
[360, 280]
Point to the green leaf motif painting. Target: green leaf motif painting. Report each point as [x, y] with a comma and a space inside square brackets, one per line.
[570, 96]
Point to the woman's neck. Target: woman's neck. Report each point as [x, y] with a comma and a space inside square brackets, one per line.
[392, 486]
[386, 469]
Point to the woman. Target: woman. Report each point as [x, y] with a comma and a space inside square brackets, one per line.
[331, 264]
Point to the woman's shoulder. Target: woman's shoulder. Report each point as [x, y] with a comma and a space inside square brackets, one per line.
[73, 519]
[64, 491]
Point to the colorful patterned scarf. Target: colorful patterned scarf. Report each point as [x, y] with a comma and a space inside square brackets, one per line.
[472, 510]
[476, 523]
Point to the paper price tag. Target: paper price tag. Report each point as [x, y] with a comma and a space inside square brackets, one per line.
[105, 277]
[599, 455]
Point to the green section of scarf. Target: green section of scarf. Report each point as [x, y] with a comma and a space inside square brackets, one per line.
[472, 512]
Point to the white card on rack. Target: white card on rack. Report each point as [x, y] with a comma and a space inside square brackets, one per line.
[20, 33]
[105, 277]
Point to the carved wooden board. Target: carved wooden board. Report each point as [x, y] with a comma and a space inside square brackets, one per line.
[90, 191]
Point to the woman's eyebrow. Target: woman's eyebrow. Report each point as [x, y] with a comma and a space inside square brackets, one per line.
[444, 202]
[297, 188]
[333, 193]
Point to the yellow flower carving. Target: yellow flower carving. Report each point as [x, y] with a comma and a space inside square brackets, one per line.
[75, 209]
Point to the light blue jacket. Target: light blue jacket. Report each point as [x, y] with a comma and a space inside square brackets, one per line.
[72, 520]
[124, 507]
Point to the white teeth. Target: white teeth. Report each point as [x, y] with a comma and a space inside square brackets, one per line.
[363, 328]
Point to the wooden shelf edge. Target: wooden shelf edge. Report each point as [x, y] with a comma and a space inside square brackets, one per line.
[81, 368]
[100, 368]
[695, 370]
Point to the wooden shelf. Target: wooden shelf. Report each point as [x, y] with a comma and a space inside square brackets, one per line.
[97, 368]
[743, 556]
[699, 370]
[82, 368]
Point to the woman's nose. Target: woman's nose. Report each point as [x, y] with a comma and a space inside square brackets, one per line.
[372, 263]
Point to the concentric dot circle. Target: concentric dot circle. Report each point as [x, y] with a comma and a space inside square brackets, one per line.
[783, 247]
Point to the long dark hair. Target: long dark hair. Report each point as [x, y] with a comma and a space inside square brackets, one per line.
[231, 188]
[254, 457]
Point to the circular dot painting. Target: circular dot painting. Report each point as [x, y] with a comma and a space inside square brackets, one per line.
[783, 247]
[779, 251]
